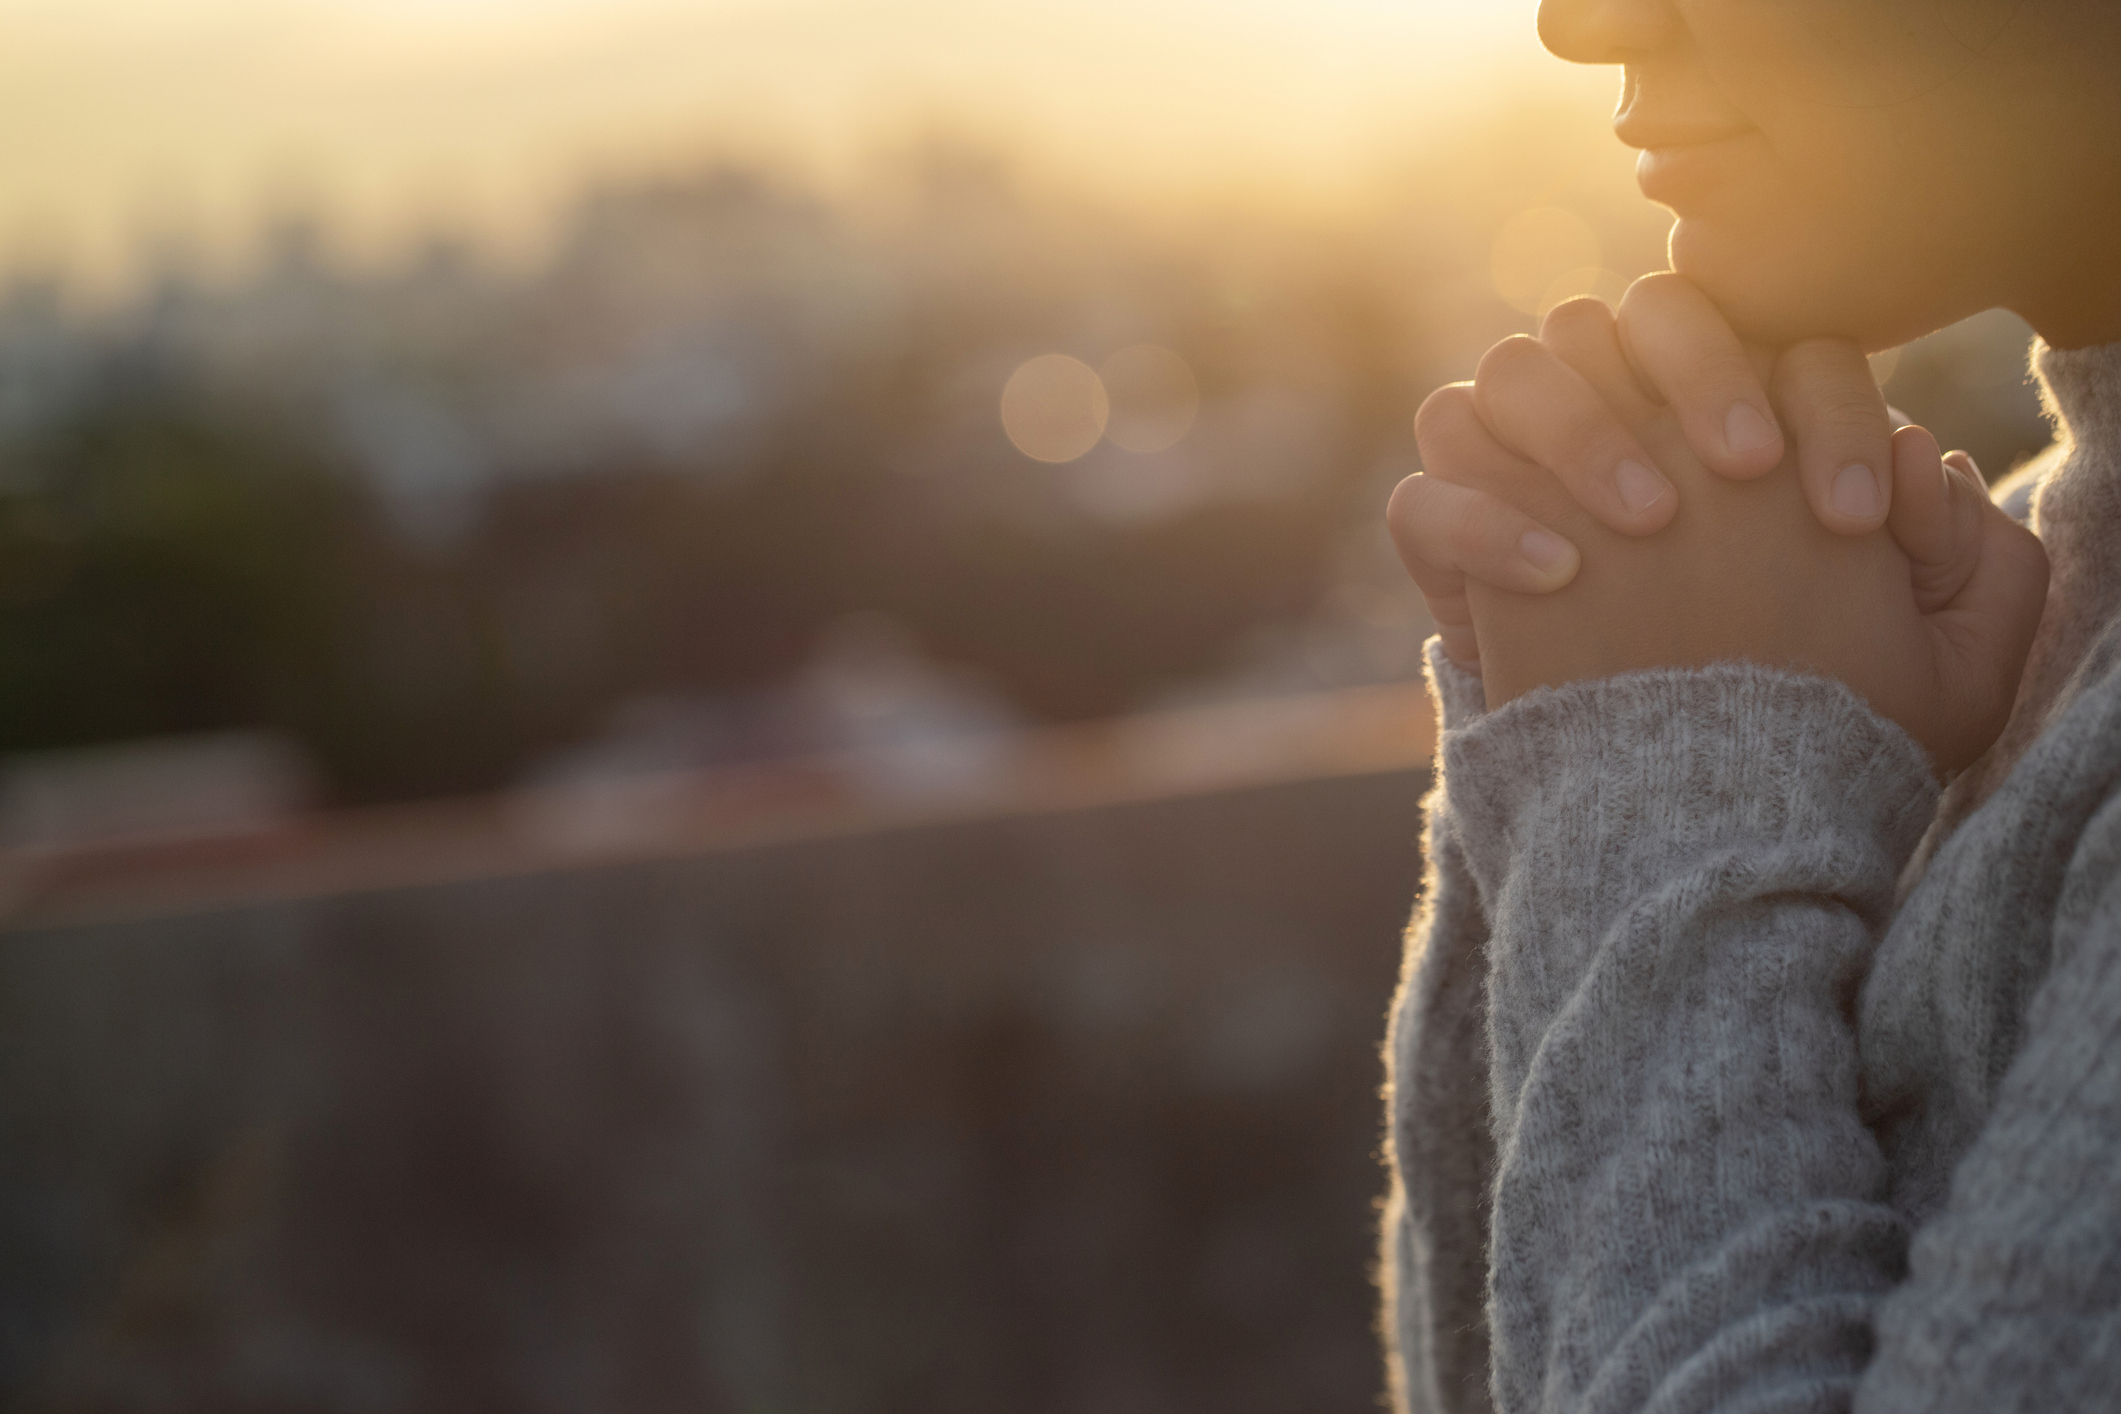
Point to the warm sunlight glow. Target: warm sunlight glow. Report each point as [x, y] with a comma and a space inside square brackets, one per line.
[1536, 248]
[127, 123]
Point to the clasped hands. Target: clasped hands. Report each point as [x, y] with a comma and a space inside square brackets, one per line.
[1642, 491]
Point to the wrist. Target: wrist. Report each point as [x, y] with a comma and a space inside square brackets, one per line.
[1454, 687]
[1624, 779]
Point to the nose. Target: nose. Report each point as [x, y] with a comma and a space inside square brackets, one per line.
[1604, 31]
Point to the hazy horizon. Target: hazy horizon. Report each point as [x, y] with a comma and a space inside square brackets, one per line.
[392, 119]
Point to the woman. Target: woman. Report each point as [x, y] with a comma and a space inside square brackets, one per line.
[1736, 1066]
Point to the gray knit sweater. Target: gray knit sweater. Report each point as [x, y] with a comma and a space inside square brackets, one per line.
[1687, 1114]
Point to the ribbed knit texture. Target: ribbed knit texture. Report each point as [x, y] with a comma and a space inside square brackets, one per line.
[1685, 1116]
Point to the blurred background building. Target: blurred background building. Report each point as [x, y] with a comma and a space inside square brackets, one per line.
[703, 705]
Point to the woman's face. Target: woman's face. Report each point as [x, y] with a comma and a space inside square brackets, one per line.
[1872, 168]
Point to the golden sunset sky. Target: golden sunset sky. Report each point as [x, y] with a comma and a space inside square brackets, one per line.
[392, 117]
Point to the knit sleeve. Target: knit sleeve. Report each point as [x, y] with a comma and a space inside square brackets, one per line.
[1434, 1267]
[2013, 1299]
[1684, 874]
[1441, 1154]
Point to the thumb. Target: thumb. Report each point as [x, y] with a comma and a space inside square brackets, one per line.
[1936, 518]
[1984, 633]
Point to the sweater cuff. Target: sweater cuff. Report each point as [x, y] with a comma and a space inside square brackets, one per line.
[1630, 775]
[1460, 698]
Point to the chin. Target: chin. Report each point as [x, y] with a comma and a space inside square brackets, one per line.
[1780, 286]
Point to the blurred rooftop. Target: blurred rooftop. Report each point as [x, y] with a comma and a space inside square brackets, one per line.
[195, 854]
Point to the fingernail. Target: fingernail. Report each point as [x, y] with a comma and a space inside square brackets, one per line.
[1856, 492]
[1640, 488]
[1745, 429]
[1964, 461]
[1547, 552]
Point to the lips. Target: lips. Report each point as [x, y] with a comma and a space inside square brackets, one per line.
[1683, 174]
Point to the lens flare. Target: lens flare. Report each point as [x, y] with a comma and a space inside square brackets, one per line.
[1154, 398]
[1534, 249]
[1055, 408]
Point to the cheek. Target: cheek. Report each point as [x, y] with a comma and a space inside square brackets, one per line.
[1830, 236]
[1850, 56]
[1880, 116]
[1855, 98]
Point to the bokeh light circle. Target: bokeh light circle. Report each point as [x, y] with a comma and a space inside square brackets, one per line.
[1055, 408]
[1537, 247]
[1155, 397]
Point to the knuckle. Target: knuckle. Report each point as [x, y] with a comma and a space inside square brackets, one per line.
[1462, 525]
[1450, 470]
[1656, 293]
[1432, 523]
[1575, 320]
[1403, 512]
[1507, 361]
[1482, 526]
[1842, 413]
[1442, 412]
[1724, 372]
[1683, 343]
[1818, 369]
[1823, 353]
[1587, 437]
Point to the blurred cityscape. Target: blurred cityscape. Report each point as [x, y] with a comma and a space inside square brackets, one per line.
[734, 468]
[803, 805]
